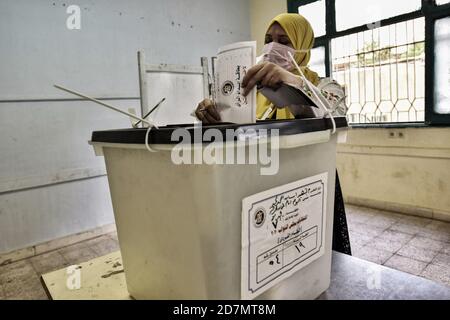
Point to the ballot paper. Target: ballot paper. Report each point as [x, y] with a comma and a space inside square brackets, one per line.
[287, 95]
[230, 67]
[232, 63]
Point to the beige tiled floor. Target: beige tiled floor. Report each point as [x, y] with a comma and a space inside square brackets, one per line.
[415, 245]
[21, 280]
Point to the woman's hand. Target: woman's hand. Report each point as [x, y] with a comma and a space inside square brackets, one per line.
[267, 74]
[206, 112]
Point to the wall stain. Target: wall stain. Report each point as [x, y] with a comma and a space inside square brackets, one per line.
[442, 186]
[401, 174]
[354, 170]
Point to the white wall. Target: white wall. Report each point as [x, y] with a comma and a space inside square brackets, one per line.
[51, 184]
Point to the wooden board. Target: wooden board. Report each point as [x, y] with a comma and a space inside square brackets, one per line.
[101, 279]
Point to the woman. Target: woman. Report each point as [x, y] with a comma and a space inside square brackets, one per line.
[287, 33]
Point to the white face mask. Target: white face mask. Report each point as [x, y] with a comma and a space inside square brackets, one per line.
[279, 54]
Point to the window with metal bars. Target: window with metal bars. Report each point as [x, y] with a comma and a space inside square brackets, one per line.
[383, 72]
[384, 54]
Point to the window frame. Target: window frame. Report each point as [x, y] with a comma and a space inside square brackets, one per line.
[430, 11]
[432, 14]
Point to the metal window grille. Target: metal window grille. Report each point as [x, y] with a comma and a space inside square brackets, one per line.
[383, 72]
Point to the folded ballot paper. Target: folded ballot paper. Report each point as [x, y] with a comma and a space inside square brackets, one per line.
[288, 95]
[230, 67]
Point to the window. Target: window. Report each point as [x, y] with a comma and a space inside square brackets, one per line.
[370, 11]
[442, 66]
[383, 72]
[392, 57]
[315, 13]
[317, 62]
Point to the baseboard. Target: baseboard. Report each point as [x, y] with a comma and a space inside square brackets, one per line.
[16, 255]
[400, 208]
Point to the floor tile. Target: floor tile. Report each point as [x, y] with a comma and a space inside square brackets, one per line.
[426, 243]
[356, 216]
[395, 236]
[439, 226]
[416, 221]
[442, 259]
[374, 255]
[435, 234]
[368, 230]
[16, 271]
[383, 244]
[26, 289]
[437, 273]
[359, 240]
[446, 250]
[48, 262]
[104, 246]
[406, 264]
[420, 254]
[353, 226]
[77, 253]
[381, 221]
[113, 235]
[401, 226]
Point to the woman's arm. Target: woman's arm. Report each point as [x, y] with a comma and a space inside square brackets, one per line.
[271, 75]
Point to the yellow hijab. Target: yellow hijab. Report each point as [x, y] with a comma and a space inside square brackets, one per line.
[301, 34]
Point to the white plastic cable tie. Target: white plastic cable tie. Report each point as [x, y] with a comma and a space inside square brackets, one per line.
[150, 126]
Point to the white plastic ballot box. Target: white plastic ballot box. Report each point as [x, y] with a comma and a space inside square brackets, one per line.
[224, 230]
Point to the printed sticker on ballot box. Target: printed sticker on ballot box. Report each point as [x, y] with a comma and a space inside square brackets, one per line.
[283, 230]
